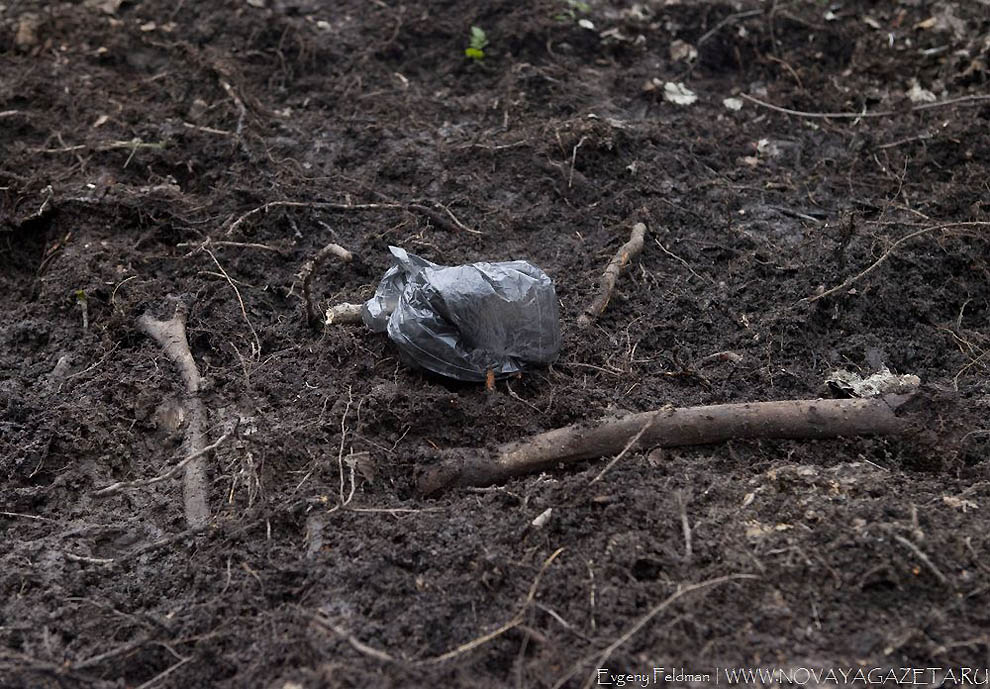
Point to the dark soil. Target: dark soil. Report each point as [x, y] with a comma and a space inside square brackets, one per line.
[135, 135]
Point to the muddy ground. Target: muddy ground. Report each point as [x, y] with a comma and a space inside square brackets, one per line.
[137, 137]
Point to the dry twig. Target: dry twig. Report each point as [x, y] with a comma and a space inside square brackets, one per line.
[161, 543]
[629, 445]
[453, 224]
[133, 145]
[682, 262]
[162, 675]
[731, 19]
[685, 526]
[241, 245]
[309, 204]
[611, 274]
[800, 419]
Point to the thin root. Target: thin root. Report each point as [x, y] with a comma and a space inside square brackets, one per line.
[126, 485]
[452, 224]
[514, 622]
[385, 657]
[603, 657]
[887, 254]
[306, 275]
[925, 560]
[858, 115]
[257, 342]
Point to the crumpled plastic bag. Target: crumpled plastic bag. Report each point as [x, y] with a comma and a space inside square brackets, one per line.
[464, 321]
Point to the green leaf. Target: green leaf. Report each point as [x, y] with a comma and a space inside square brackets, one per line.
[474, 53]
[478, 38]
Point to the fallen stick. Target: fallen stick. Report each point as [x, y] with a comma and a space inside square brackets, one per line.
[171, 335]
[611, 275]
[796, 419]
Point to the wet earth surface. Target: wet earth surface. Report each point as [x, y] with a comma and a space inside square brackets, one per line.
[157, 156]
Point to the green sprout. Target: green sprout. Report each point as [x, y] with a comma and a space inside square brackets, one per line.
[83, 303]
[477, 44]
[571, 10]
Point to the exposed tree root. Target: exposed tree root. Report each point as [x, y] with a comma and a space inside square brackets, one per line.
[611, 274]
[861, 115]
[306, 275]
[384, 657]
[171, 335]
[800, 419]
[887, 254]
[176, 468]
[453, 223]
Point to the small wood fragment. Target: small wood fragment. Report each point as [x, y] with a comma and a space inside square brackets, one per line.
[611, 275]
[339, 314]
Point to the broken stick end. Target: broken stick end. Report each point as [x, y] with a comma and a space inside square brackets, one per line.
[459, 467]
[343, 313]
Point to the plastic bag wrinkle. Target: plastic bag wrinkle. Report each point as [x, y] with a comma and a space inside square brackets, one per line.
[464, 321]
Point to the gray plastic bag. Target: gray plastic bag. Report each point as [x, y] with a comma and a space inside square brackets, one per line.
[463, 321]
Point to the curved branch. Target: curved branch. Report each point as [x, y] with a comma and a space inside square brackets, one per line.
[668, 427]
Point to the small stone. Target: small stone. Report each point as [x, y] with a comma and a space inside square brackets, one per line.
[27, 31]
[543, 518]
[681, 50]
[105, 6]
[678, 93]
